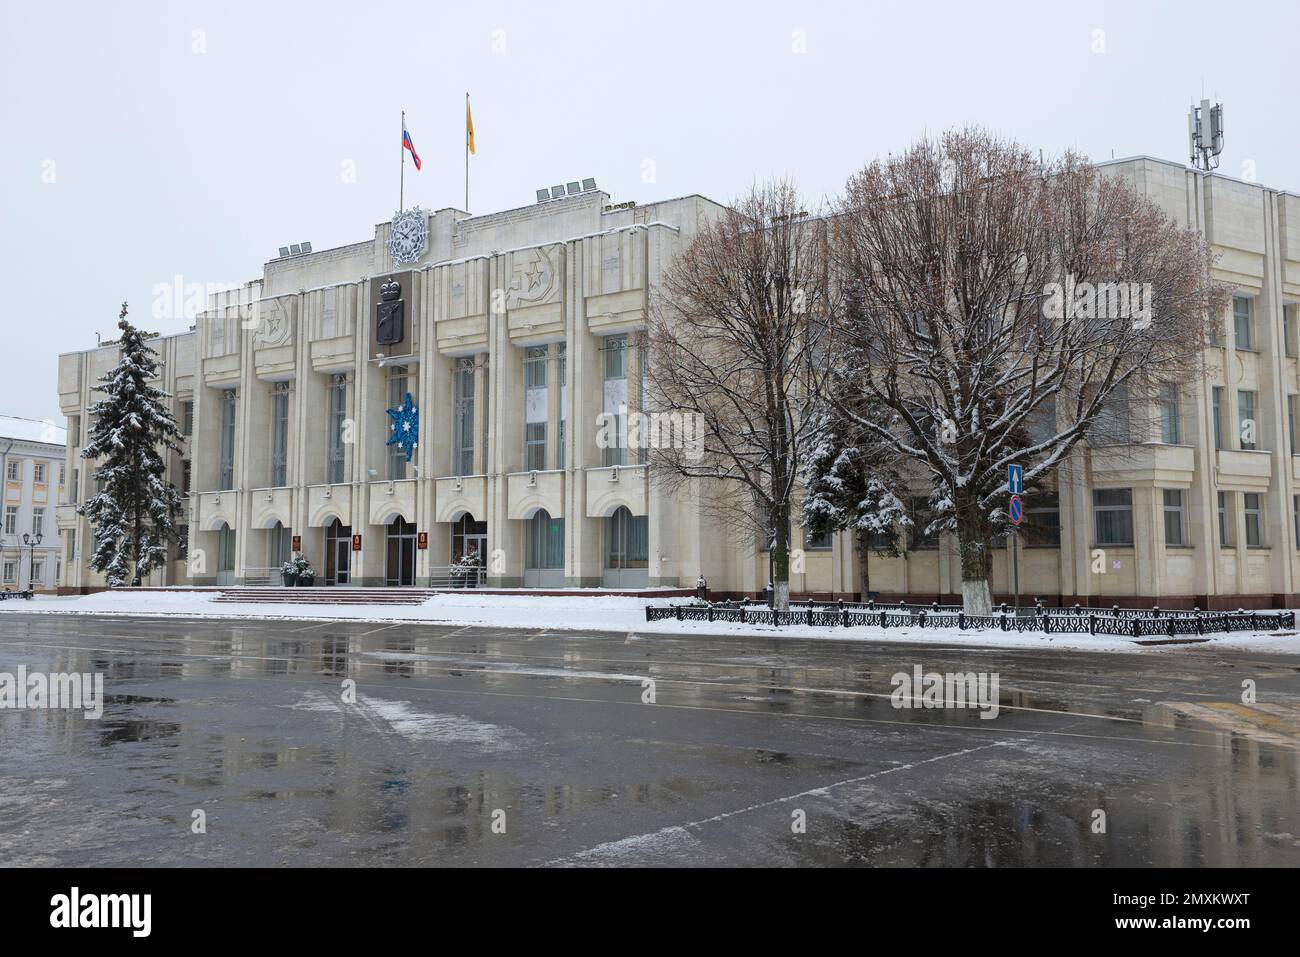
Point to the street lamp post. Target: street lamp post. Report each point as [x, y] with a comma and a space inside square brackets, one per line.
[31, 541]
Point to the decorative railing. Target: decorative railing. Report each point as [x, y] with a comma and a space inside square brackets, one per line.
[1128, 623]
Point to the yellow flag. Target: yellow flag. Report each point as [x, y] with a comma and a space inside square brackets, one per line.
[469, 125]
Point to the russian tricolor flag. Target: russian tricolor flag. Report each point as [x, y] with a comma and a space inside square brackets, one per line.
[407, 144]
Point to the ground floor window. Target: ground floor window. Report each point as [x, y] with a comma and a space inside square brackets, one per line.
[1252, 508]
[278, 551]
[544, 546]
[1113, 510]
[627, 540]
[1173, 508]
[10, 572]
[468, 537]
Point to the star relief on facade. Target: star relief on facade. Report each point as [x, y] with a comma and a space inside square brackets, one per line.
[408, 235]
[533, 278]
[274, 324]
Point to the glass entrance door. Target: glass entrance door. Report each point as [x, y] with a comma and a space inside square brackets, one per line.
[401, 553]
[338, 553]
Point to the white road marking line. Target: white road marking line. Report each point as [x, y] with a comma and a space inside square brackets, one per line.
[811, 792]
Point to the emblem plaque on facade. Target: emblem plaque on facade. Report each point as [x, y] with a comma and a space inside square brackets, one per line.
[389, 314]
[408, 235]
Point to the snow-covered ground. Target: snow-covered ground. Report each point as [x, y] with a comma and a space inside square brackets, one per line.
[607, 613]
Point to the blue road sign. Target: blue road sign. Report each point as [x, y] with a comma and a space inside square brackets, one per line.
[1017, 510]
[1015, 479]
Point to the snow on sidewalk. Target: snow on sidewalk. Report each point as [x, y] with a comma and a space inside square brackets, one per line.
[591, 612]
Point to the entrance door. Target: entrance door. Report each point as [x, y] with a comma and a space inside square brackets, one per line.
[469, 537]
[338, 553]
[626, 550]
[225, 555]
[401, 553]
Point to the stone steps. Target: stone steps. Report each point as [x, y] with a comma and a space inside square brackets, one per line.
[327, 596]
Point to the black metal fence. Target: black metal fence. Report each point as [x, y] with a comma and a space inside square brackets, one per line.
[1120, 622]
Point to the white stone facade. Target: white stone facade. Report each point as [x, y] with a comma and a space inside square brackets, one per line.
[520, 317]
[32, 468]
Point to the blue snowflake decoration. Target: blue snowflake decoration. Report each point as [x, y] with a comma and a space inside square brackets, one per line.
[406, 426]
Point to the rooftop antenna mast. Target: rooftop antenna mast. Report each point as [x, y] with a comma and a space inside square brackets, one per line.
[1205, 135]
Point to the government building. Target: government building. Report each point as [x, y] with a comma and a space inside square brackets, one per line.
[514, 332]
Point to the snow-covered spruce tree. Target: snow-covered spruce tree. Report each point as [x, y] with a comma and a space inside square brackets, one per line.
[1001, 307]
[852, 485]
[134, 513]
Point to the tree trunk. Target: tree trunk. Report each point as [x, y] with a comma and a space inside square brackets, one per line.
[976, 598]
[781, 559]
[862, 545]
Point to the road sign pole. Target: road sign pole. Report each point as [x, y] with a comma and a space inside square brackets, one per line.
[1015, 565]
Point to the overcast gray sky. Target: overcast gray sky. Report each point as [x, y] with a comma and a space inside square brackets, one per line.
[147, 140]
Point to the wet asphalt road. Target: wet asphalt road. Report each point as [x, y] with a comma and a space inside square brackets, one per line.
[545, 735]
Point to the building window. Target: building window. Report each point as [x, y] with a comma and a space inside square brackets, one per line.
[1217, 400]
[62, 473]
[1288, 329]
[544, 546]
[921, 517]
[820, 542]
[187, 476]
[1042, 525]
[182, 542]
[399, 385]
[1247, 424]
[1225, 526]
[614, 350]
[227, 476]
[187, 418]
[278, 551]
[1241, 309]
[10, 572]
[38, 521]
[280, 435]
[464, 412]
[1252, 510]
[627, 540]
[534, 446]
[564, 403]
[1113, 511]
[1111, 426]
[11, 519]
[14, 470]
[1290, 424]
[537, 400]
[38, 571]
[1174, 519]
[38, 473]
[1170, 424]
[338, 413]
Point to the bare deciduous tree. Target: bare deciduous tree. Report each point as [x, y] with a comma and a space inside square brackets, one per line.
[734, 342]
[996, 306]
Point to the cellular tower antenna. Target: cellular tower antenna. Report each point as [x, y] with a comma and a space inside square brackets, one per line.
[1205, 134]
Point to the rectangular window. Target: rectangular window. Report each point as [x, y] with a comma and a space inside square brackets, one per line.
[537, 407]
[227, 476]
[398, 385]
[1042, 525]
[1247, 423]
[817, 543]
[1252, 510]
[182, 542]
[564, 403]
[38, 521]
[1241, 309]
[921, 518]
[11, 572]
[280, 436]
[1113, 512]
[62, 473]
[1170, 423]
[11, 519]
[38, 473]
[535, 446]
[1111, 426]
[1225, 526]
[187, 476]
[338, 413]
[1290, 424]
[1288, 329]
[615, 398]
[1217, 401]
[1174, 517]
[187, 418]
[14, 470]
[464, 411]
[38, 571]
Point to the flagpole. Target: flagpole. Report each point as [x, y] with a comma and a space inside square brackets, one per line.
[467, 152]
[401, 179]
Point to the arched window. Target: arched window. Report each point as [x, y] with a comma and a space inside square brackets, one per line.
[627, 540]
[545, 541]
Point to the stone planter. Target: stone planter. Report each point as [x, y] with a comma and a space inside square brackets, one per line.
[305, 582]
[289, 578]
